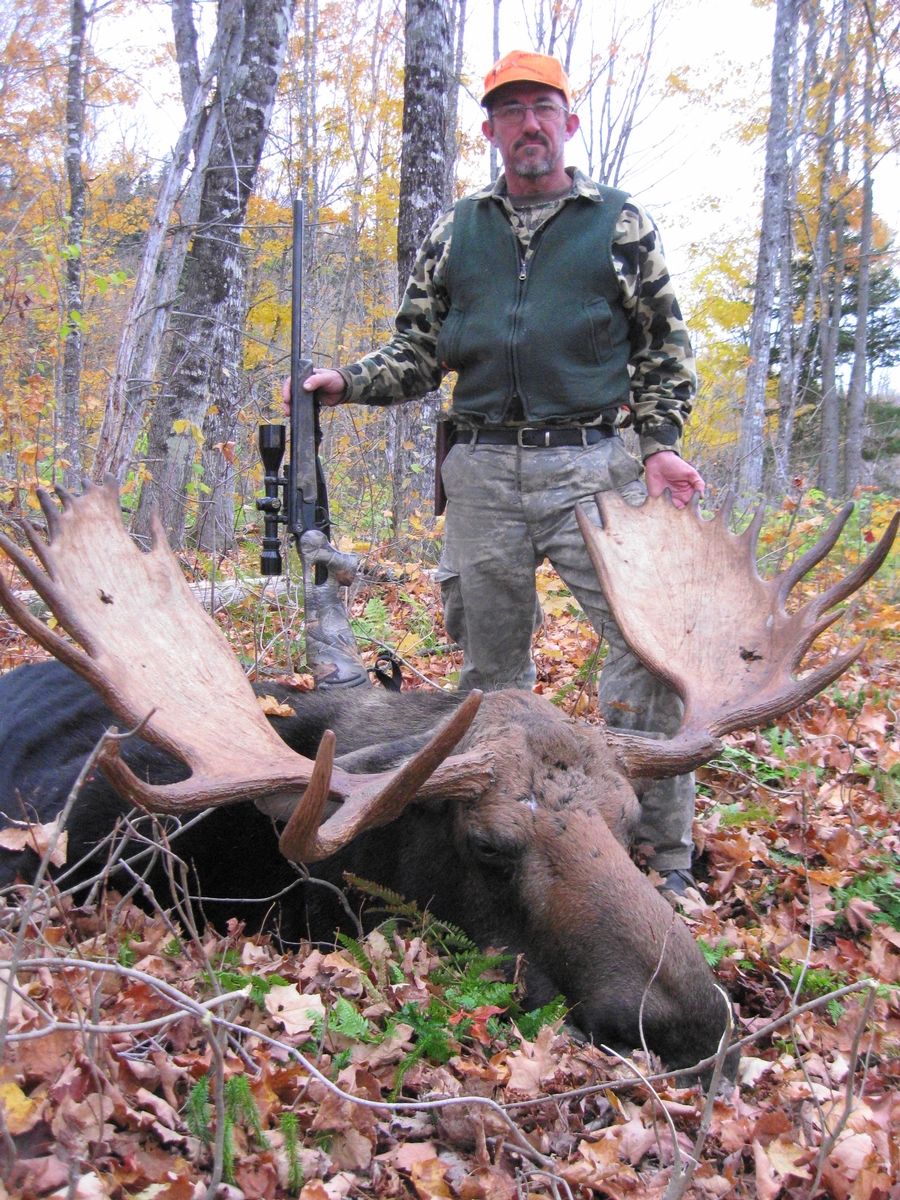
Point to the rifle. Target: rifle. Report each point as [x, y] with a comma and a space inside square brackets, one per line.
[332, 655]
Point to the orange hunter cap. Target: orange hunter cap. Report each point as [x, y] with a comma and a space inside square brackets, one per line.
[524, 66]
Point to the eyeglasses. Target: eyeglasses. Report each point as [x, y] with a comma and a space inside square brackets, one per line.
[545, 111]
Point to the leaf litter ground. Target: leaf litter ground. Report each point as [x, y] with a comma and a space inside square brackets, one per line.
[142, 1060]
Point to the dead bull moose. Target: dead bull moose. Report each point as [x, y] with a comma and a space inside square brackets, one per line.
[508, 819]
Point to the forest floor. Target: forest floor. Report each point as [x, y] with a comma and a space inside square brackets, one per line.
[143, 1058]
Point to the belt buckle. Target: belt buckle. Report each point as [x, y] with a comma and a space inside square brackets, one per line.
[536, 445]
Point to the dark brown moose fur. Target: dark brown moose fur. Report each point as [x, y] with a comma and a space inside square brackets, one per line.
[537, 864]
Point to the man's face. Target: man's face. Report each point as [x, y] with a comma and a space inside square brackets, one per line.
[533, 148]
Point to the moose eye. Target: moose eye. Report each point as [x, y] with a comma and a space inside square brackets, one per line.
[491, 853]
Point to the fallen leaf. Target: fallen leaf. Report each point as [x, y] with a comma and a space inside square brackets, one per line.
[295, 1011]
[21, 1112]
[428, 1178]
[37, 838]
[274, 708]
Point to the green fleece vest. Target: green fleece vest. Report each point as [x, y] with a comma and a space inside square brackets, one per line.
[554, 335]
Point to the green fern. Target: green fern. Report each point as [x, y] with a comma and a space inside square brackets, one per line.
[393, 902]
[345, 1019]
[713, 954]
[353, 947]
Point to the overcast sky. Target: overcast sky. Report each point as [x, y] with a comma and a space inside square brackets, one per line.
[685, 163]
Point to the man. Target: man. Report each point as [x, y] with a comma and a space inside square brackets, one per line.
[549, 295]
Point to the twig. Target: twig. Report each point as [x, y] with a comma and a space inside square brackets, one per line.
[681, 1180]
[28, 907]
[645, 1079]
[829, 1142]
[218, 1065]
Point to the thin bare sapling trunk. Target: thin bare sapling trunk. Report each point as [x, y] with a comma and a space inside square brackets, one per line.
[72, 351]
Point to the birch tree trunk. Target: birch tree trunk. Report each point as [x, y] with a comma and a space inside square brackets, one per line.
[831, 216]
[71, 374]
[856, 392]
[134, 373]
[422, 182]
[771, 248]
[793, 347]
[457, 34]
[204, 358]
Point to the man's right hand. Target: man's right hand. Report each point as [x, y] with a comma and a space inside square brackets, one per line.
[329, 384]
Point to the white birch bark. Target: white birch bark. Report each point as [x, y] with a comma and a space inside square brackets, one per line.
[133, 374]
[856, 393]
[771, 247]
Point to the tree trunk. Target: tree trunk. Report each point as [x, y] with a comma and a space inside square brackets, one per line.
[856, 393]
[831, 216]
[422, 181]
[771, 248]
[457, 34]
[71, 423]
[495, 162]
[793, 348]
[204, 361]
[141, 342]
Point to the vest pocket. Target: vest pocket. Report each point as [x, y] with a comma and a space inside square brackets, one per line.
[599, 317]
[447, 348]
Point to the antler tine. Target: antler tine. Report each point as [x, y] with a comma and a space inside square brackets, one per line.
[805, 563]
[725, 509]
[306, 840]
[858, 576]
[151, 648]
[750, 536]
[298, 839]
[34, 626]
[721, 638]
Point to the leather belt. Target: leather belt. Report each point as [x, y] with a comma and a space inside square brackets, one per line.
[543, 439]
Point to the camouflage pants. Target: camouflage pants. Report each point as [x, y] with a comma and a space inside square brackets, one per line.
[508, 509]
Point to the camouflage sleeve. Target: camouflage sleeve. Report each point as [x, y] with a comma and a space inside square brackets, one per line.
[407, 367]
[664, 375]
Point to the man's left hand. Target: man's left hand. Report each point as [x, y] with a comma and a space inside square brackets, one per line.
[666, 470]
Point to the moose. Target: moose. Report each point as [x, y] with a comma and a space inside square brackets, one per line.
[499, 813]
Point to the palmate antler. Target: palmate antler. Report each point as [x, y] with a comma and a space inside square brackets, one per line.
[689, 601]
[149, 648]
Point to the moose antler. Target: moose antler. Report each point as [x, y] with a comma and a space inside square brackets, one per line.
[689, 601]
[149, 648]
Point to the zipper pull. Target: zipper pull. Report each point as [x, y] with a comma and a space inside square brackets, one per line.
[522, 273]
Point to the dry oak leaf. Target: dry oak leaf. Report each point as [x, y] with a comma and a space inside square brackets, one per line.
[533, 1062]
[350, 1151]
[428, 1179]
[39, 1175]
[768, 1185]
[79, 1125]
[487, 1183]
[295, 1011]
[273, 707]
[21, 1112]
[88, 1187]
[409, 1153]
[20, 836]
